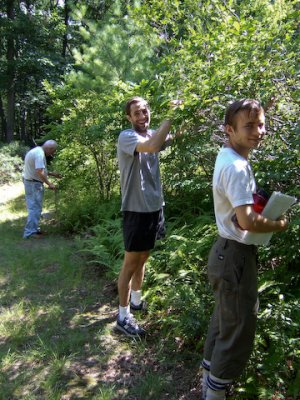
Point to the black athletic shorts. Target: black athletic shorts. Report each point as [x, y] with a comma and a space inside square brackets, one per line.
[140, 230]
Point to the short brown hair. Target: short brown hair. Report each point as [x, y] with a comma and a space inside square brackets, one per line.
[133, 100]
[252, 106]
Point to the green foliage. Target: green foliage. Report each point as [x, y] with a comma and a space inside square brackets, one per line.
[103, 243]
[272, 368]
[87, 109]
[76, 209]
[87, 140]
[33, 35]
[152, 387]
[11, 162]
[223, 52]
[176, 283]
[105, 393]
[113, 49]
[207, 54]
[55, 382]
[105, 246]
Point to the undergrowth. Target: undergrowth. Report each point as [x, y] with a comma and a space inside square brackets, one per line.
[177, 290]
[180, 299]
[11, 162]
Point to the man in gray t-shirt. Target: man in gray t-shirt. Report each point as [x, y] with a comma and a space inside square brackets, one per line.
[140, 175]
[142, 202]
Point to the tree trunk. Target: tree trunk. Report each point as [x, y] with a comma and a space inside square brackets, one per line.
[23, 116]
[3, 122]
[11, 75]
[65, 38]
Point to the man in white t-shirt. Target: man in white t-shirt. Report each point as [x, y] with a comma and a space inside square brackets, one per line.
[35, 174]
[232, 263]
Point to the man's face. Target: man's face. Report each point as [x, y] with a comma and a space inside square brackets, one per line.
[50, 151]
[139, 116]
[247, 132]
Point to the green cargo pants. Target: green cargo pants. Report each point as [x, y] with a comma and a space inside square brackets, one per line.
[232, 272]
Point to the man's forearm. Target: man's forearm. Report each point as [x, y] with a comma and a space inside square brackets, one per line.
[55, 174]
[43, 177]
[159, 138]
[156, 141]
[254, 222]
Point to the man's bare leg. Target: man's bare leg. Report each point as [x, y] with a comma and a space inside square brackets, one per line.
[132, 273]
[138, 276]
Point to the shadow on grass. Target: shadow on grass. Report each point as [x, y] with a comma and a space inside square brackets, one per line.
[57, 338]
[17, 204]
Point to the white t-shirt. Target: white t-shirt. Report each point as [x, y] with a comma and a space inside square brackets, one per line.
[34, 159]
[233, 186]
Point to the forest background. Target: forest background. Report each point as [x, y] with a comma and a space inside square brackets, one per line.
[68, 67]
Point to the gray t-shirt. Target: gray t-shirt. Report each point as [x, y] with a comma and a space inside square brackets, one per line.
[139, 174]
[34, 159]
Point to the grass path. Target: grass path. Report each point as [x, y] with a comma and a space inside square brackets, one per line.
[56, 326]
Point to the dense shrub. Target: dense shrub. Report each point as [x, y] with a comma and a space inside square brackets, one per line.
[176, 283]
[11, 162]
[102, 241]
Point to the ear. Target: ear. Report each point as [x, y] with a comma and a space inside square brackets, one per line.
[229, 130]
[128, 117]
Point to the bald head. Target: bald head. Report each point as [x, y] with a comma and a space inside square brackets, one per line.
[49, 147]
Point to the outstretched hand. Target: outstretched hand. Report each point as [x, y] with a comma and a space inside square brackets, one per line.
[181, 129]
[52, 187]
[174, 104]
[55, 174]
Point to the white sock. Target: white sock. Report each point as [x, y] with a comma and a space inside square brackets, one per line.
[216, 388]
[205, 364]
[136, 297]
[215, 394]
[124, 312]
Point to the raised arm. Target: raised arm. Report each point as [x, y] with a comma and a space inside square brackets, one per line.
[156, 141]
